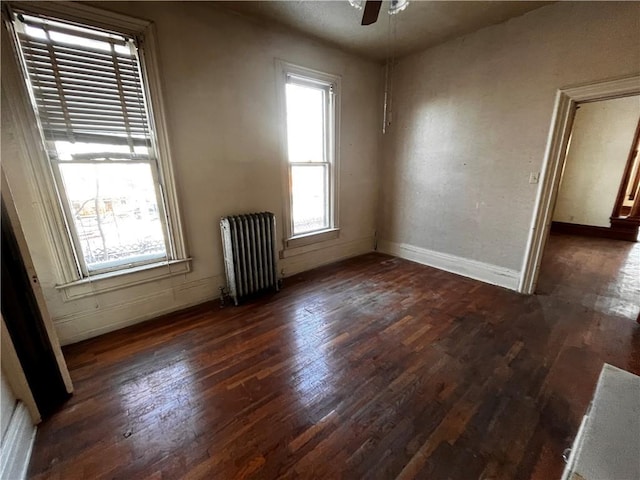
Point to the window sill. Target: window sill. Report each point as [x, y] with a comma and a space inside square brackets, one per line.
[295, 245]
[107, 282]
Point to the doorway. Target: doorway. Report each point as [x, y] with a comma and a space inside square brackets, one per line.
[567, 102]
[26, 327]
[25, 318]
[592, 252]
[594, 197]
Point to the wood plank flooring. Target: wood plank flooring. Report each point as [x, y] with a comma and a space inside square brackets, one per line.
[374, 367]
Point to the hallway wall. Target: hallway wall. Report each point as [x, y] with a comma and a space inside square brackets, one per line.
[600, 143]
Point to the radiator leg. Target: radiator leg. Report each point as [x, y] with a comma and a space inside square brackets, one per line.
[222, 295]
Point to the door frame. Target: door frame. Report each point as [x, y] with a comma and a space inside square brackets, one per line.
[14, 220]
[553, 164]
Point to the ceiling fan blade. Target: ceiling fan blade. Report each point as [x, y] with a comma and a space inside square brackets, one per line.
[371, 11]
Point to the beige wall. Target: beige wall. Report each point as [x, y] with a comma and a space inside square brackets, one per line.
[600, 144]
[219, 79]
[471, 122]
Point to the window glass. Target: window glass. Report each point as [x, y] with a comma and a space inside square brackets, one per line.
[305, 123]
[309, 199]
[115, 212]
[309, 139]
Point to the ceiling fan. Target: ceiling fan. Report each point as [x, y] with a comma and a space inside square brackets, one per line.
[372, 8]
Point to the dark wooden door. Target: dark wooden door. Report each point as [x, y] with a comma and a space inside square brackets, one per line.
[26, 328]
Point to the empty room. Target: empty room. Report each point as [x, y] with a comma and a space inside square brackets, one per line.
[320, 239]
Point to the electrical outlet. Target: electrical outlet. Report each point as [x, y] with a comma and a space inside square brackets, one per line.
[534, 177]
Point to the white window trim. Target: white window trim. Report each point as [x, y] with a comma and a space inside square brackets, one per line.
[41, 174]
[283, 69]
[116, 280]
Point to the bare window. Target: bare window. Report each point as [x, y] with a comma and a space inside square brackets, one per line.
[310, 121]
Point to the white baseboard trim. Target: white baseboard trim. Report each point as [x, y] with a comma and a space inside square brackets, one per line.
[80, 326]
[484, 272]
[17, 444]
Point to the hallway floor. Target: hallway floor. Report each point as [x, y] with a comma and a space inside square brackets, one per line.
[601, 274]
[374, 367]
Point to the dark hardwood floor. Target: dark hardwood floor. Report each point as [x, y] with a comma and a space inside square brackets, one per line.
[374, 367]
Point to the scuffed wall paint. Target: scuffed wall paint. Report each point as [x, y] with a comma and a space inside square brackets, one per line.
[600, 143]
[471, 121]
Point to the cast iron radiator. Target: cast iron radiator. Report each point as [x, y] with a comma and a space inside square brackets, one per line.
[249, 246]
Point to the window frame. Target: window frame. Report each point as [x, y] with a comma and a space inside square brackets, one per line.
[311, 77]
[71, 278]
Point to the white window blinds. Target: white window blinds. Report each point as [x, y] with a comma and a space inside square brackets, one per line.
[86, 83]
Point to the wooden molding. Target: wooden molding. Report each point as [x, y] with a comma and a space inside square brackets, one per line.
[624, 182]
[627, 233]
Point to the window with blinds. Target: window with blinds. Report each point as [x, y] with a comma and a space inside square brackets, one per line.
[88, 92]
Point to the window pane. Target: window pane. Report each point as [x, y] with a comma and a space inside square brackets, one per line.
[309, 198]
[305, 120]
[115, 212]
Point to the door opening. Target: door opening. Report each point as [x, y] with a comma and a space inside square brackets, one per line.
[567, 100]
[598, 171]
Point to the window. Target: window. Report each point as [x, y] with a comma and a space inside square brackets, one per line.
[89, 90]
[310, 104]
